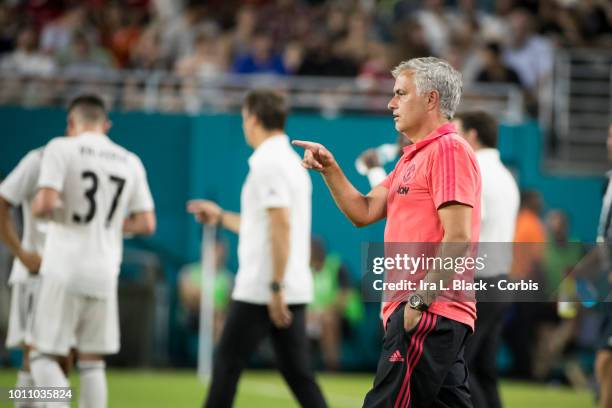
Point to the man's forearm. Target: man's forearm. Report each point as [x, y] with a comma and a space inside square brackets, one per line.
[8, 234]
[230, 220]
[349, 200]
[280, 242]
[436, 279]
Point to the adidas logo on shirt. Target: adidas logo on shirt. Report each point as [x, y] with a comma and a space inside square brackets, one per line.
[396, 357]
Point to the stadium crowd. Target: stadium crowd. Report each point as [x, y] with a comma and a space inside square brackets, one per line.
[510, 41]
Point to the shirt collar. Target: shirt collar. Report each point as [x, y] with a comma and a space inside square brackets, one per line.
[269, 145]
[440, 131]
[88, 133]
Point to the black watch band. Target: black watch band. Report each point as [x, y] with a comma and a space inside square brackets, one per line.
[275, 287]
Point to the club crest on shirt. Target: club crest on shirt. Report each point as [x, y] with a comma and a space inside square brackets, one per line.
[409, 173]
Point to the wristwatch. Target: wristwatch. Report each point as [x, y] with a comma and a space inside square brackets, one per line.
[416, 302]
[275, 286]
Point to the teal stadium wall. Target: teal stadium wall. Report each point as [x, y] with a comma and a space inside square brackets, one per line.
[205, 156]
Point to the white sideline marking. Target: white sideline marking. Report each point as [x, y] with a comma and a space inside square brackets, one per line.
[283, 393]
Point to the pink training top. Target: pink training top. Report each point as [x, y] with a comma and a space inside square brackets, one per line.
[436, 170]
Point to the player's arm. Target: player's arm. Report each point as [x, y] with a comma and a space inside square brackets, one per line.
[360, 209]
[456, 220]
[280, 243]
[209, 212]
[8, 235]
[46, 201]
[140, 223]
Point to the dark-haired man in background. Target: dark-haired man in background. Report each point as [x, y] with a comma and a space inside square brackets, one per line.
[274, 283]
[499, 207]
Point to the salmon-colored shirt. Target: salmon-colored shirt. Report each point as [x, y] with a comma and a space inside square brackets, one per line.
[436, 170]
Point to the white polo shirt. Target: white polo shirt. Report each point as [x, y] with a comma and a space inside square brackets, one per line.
[500, 203]
[276, 179]
[19, 187]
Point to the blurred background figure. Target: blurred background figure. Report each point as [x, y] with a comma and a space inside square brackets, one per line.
[190, 290]
[500, 202]
[557, 321]
[336, 305]
[374, 162]
[26, 59]
[528, 255]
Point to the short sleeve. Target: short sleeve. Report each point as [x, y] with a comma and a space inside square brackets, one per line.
[141, 199]
[454, 174]
[272, 186]
[54, 165]
[386, 183]
[20, 184]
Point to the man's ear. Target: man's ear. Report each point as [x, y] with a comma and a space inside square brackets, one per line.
[107, 126]
[433, 100]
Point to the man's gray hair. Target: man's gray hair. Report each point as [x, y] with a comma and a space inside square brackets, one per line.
[434, 74]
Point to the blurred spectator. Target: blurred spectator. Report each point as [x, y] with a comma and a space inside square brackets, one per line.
[528, 53]
[529, 230]
[320, 60]
[240, 37]
[595, 17]
[285, 20]
[562, 254]
[208, 60]
[559, 24]
[9, 28]
[56, 36]
[463, 50]
[190, 288]
[354, 45]
[26, 59]
[334, 301]
[179, 34]
[437, 26]
[410, 41]
[262, 59]
[148, 53]
[83, 58]
[293, 56]
[528, 254]
[494, 69]
[555, 331]
[127, 36]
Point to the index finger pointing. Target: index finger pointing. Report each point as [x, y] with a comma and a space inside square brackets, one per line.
[305, 144]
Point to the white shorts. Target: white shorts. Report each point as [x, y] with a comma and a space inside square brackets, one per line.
[23, 297]
[64, 320]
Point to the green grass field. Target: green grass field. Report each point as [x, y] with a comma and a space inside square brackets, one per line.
[153, 389]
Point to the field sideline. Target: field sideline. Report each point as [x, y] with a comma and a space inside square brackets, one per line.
[153, 389]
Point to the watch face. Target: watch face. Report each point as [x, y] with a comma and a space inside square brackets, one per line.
[415, 300]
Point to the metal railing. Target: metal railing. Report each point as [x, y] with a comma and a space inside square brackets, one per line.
[581, 109]
[159, 91]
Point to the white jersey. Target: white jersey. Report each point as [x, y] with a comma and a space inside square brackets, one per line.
[100, 183]
[19, 188]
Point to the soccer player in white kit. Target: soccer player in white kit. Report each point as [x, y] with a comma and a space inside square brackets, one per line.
[92, 190]
[19, 188]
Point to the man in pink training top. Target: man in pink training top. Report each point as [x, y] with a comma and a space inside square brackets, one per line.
[432, 196]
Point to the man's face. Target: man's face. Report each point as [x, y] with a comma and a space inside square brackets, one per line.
[409, 108]
[248, 122]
